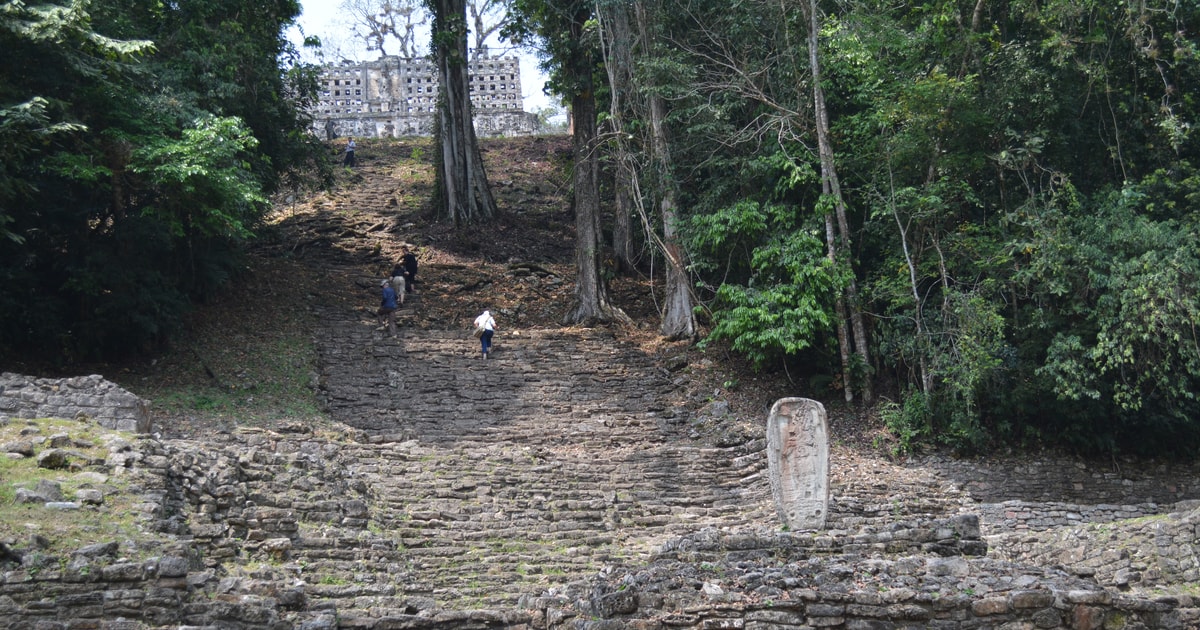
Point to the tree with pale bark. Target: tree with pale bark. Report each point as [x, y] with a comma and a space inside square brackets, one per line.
[462, 182]
[380, 22]
[561, 28]
[629, 44]
[487, 18]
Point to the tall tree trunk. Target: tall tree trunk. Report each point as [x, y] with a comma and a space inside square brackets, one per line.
[843, 329]
[623, 209]
[918, 307]
[678, 320]
[591, 295]
[462, 181]
[831, 187]
[617, 41]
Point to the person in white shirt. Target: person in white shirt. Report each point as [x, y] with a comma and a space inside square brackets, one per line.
[488, 324]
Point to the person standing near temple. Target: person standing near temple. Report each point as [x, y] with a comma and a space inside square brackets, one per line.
[350, 146]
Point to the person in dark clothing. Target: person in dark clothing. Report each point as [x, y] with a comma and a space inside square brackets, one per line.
[410, 270]
[349, 161]
[399, 283]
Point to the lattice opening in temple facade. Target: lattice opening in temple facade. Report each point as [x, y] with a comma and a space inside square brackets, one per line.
[396, 97]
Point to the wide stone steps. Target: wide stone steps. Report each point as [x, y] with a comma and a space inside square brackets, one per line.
[485, 523]
[563, 452]
[489, 480]
[548, 388]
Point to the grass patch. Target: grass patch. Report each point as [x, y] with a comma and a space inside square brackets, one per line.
[64, 531]
[249, 358]
[264, 379]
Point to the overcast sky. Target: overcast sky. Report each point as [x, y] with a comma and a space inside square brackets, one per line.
[323, 18]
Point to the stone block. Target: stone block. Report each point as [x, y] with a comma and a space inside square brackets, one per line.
[798, 462]
[1088, 617]
[355, 508]
[967, 526]
[732, 623]
[53, 459]
[619, 603]
[123, 572]
[25, 495]
[1024, 600]
[23, 448]
[824, 610]
[775, 617]
[88, 496]
[1047, 618]
[909, 612]
[97, 550]
[172, 566]
[989, 606]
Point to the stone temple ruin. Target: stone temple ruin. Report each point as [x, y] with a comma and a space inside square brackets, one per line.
[394, 97]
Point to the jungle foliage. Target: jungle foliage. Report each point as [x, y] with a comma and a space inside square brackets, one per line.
[142, 140]
[1013, 200]
[1024, 203]
[986, 212]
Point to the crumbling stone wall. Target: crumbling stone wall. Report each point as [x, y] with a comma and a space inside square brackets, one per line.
[1146, 551]
[238, 503]
[1041, 603]
[90, 397]
[258, 529]
[1070, 481]
[768, 581]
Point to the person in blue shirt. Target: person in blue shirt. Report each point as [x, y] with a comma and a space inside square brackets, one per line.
[387, 307]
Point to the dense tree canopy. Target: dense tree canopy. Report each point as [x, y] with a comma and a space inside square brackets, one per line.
[995, 203]
[1023, 198]
[142, 141]
[1004, 191]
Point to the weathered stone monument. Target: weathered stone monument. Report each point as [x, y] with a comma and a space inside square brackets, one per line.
[798, 462]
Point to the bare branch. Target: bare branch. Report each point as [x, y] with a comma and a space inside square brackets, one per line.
[379, 22]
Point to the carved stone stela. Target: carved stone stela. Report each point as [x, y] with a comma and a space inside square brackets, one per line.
[798, 462]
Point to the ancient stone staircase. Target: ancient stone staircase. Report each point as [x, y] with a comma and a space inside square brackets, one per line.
[478, 484]
[484, 488]
[472, 483]
[564, 452]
